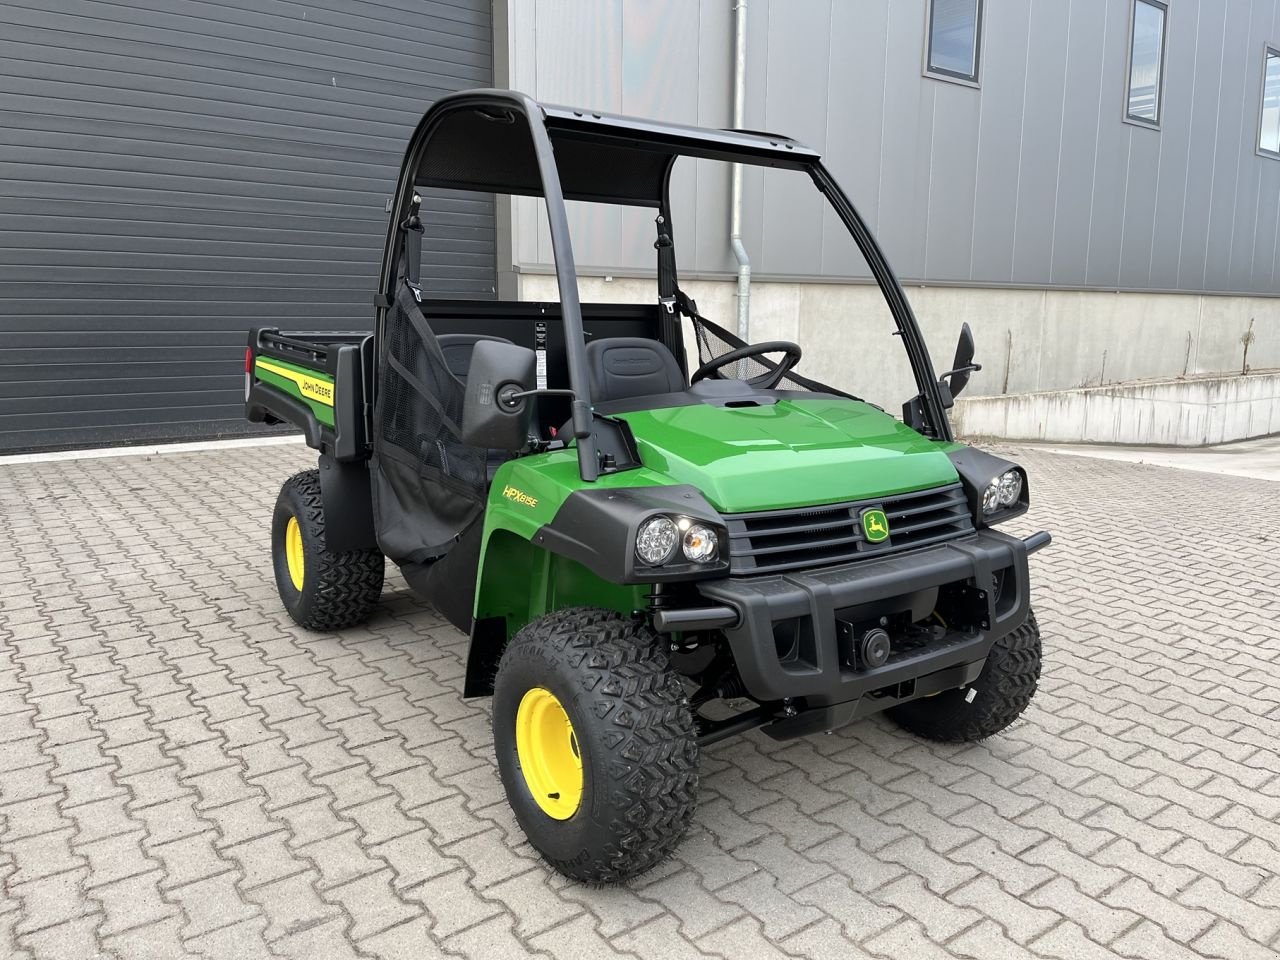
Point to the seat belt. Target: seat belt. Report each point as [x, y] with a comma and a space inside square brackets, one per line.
[668, 288]
[671, 299]
[672, 303]
[413, 232]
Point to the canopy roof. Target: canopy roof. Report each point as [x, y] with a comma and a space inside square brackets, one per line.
[481, 141]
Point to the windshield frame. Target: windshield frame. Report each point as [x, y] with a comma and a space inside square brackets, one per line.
[585, 127]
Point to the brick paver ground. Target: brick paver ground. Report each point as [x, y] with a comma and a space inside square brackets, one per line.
[184, 772]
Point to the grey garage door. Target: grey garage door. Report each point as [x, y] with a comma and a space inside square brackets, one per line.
[173, 172]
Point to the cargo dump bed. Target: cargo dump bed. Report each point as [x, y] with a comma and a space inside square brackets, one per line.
[315, 381]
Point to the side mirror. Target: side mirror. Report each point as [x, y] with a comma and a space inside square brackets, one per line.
[963, 366]
[492, 413]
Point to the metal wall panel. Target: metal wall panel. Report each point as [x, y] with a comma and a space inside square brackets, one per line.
[1004, 78]
[1033, 178]
[173, 172]
[1038, 145]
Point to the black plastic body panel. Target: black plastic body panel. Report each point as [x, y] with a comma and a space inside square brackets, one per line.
[342, 357]
[977, 468]
[598, 529]
[822, 678]
[266, 404]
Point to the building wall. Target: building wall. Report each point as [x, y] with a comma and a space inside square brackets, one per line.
[1033, 179]
[174, 172]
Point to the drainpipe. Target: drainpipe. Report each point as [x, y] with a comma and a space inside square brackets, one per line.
[735, 201]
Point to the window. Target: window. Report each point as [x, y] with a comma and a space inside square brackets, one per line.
[1269, 129]
[955, 31]
[1146, 62]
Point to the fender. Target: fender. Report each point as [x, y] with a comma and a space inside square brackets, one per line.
[553, 541]
[348, 504]
[520, 581]
[519, 578]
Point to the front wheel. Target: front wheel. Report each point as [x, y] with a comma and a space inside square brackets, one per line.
[321, 589]
[989, 704]
[596, 743]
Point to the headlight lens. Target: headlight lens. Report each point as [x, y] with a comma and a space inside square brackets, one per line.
[991, 497]
[1010, 488]
[701, 544]
[656, 540]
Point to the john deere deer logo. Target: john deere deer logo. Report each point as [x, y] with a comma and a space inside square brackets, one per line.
[875, 525]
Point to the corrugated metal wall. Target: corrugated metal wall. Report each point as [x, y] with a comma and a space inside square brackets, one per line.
[173, 172]
[1033, 179]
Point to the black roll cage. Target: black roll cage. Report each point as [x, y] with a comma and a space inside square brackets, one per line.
[474, 141]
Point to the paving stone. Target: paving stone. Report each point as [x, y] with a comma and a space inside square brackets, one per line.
[116, 857]
[491, 938]
[1103, 921]
[858, 916]
[578, 938]
[210, 904]
[1068, 941]
[1179, 922]
[697, 911]
[328, 940]
[242, 940]
[1260, 921]
[452, 903]
[744, 938]
[536, 904]
[50, 900]
[132, 902]
[1226, 941]
[906, 939]
[824, 940]
[190, 859]
[372, 903]
[660, 938]
[72, 938]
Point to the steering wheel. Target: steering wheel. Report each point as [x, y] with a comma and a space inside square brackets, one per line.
[766, 381]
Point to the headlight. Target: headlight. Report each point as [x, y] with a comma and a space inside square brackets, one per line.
[1002, 492]
[701, 544]
[991, 497]
[1010, 488]
[656, 540]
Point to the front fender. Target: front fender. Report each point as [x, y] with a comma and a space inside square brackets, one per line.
[518, 579]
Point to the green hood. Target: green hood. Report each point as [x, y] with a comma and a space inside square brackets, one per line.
[793, 453]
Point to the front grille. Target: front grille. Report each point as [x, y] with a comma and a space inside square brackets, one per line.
[776, 540]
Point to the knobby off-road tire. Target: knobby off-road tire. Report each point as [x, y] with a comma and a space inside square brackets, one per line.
[1004, 688]
[631, 727]
[337, 589]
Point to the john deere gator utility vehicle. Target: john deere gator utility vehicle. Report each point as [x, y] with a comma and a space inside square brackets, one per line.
[649, 552]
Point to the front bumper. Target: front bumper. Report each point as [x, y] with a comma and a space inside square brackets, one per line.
[793, 633]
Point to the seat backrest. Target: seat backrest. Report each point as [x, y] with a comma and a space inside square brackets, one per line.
[457, 348]
[625, 367]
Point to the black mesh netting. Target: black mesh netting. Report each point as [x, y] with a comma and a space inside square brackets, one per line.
[422, 409]
[428, 486]
[715, 341]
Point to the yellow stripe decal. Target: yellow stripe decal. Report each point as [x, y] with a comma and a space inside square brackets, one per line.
[312, 388]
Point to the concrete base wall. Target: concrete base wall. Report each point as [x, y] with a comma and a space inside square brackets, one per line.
[1185, 413]
[1029, 341]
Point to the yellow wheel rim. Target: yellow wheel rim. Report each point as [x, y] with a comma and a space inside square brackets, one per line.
[293, 553]
[549, 756]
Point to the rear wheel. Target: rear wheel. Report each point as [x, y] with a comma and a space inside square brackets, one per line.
[595, 743]
[989, 704]
[321, 589]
